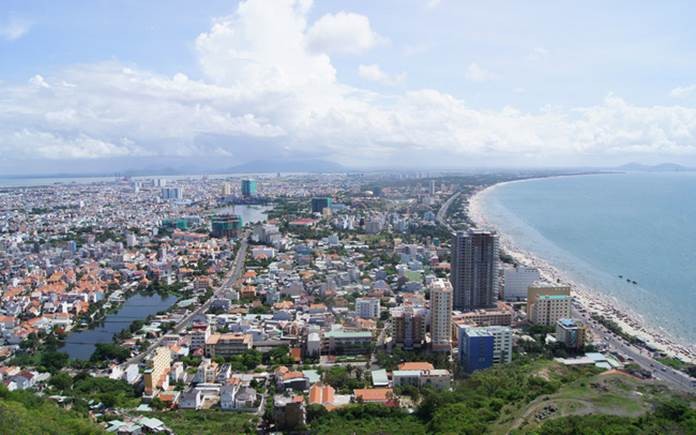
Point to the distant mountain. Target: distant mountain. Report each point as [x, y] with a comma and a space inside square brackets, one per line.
[314, 165]
[662, 167]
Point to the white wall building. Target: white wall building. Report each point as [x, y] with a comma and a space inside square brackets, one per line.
[517, 281]
[441, 299]
[367, 308]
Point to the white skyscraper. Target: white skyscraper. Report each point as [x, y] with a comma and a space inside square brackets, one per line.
[441, 297]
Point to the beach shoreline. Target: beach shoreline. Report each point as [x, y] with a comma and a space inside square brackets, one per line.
[592, 300]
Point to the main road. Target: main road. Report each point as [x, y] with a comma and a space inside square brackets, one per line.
[640, 356]
[442, 212]
[234, 274]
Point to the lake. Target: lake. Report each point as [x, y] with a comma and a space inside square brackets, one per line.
[81, 344]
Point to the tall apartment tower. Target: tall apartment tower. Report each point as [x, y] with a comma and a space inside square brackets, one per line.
[475, 263]
[248, 188]
[441, 315]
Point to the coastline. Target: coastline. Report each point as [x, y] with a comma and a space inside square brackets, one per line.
[593, 301]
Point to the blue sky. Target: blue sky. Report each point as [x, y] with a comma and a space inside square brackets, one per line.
[417, 82]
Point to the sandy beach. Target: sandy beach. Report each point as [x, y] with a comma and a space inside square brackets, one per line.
[593, 301]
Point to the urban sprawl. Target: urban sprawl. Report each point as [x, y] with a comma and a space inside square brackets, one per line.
[284, 300]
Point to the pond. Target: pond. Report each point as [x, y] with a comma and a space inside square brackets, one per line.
[81, 344]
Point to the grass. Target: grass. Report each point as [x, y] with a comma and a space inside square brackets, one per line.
[672, 362]
[583, 392]
[187, 421]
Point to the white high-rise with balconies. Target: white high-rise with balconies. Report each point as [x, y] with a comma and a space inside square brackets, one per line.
[441, 298]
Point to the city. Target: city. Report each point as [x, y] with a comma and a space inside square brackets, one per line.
[272, 304]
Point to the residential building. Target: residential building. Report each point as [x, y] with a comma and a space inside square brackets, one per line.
[227, 345]
[191, 399]
[490, 317]
[549, 309]
[517, 280]
[481, 347]
[408, 326]
[421, 374]
[367, 308]
[341, 341]
[157, 375]
[383, 396]
[474, 269]
[289, 412]
[571, 332]
[540, 288]
[441, 315]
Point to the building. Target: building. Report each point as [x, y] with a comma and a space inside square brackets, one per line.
[226, 225]
[226, 189]
[474, 267]
[539, 288]
[484, 318]
[481, 347]
[289, 412]
[367, 308]
[383, 396]
[321, 395]
[191, 399]
[517, 280]
[571, 333]
[319, 204]
[421, 374]
[549, 309]
[441, 315]
[173, 193]
[157, 375]
[226, 345]
[248, 188]
[408, 326]
[340, 341]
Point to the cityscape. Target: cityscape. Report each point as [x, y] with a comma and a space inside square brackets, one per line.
[273, 303]
[312, 217]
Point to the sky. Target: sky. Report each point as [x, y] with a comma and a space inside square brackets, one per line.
[88, 85]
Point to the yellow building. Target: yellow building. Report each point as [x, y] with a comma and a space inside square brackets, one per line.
[157, 375]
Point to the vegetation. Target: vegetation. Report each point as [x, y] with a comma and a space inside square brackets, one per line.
[669, 417]
[110, 392]
[22, 412]
[109, 351]
[201, 421]
[364, 419]
[345, 378]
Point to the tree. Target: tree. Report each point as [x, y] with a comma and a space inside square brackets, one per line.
[61, 381]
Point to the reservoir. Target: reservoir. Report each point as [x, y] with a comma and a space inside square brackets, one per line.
[81, 344]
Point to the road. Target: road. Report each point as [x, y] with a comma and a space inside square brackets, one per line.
[231, 277]
[442, 213]
[640, 356]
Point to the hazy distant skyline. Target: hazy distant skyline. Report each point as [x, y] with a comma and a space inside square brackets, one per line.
[366, 84]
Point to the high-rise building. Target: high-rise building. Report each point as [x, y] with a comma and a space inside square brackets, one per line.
[517, 280]
[226, 225]
[176, 193]
[320, 203]
[539, 289]
[157, 375]
[441, 315]
[226, 189]
[408, 326]
[248, 188]
[481, 347]
[474, 269]
[549, 309]
[367, 308]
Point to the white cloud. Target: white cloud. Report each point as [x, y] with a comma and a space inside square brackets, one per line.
[264, 90]
[538, 53]
[476, 73]
[343, 32]
[683, 91]
[374, 73]
[431, 4]
[14, 29]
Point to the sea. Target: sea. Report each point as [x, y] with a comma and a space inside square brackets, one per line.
[606, 231]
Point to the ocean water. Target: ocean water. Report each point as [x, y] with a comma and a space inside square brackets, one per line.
[594, 228]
